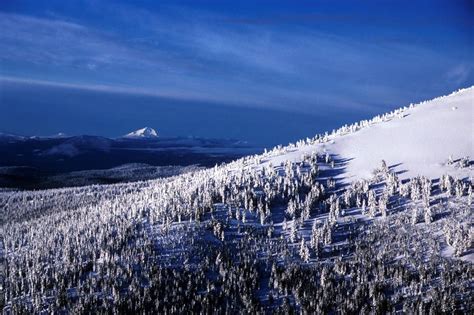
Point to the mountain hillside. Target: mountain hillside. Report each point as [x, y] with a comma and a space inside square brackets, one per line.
[374, 218]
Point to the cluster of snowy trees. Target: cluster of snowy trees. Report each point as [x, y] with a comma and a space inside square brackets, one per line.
[205, 240]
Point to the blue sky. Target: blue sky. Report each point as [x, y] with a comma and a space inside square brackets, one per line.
[322, 62]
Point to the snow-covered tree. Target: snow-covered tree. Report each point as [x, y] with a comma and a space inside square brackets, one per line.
[383, 204]
[293, 232]
[304, 251]
[315, 238]
[372, 204]
[469, 194]
[428, 216]
[414, 216]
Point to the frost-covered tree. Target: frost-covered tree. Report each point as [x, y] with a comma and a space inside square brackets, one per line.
[469, 194]
[428, 216]
[293, 232]
[392, 183]
[327, 233]
[315, 238]
[347, 198]
[334, 209]
[415, 189]
[447, 184]
[383, 204]
[372, 204]
[414, 216]
[304, 251]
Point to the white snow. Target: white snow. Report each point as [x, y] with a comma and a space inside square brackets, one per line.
[144, 133]
[419, 142]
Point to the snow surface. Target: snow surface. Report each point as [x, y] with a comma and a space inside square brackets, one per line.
[144, 133]
[418, 141]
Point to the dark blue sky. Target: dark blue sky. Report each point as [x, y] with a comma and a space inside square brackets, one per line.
[267, 71]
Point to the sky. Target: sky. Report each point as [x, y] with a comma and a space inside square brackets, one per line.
[268, 72]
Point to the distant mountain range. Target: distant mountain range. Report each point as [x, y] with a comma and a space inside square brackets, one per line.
[29, 160]
[143, 133]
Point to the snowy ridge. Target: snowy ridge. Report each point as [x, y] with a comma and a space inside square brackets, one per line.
[419, 139]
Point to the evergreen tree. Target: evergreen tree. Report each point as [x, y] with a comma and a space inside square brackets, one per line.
[428, 215]
[414, 216]
[469, 194]
[293, 232]
[383, 204]
[372, 204]
[304, 251]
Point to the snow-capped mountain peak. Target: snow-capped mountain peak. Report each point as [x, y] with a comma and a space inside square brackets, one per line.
[144, 133]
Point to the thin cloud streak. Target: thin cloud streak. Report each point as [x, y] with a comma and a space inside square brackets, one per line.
[195, 56]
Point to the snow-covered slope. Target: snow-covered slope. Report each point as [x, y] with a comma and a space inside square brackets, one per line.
[289, 238]
[144, 133]
[417, 140]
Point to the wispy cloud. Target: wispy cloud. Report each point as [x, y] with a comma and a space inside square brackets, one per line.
[59, 43]
[188, 54]
[459, 73]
